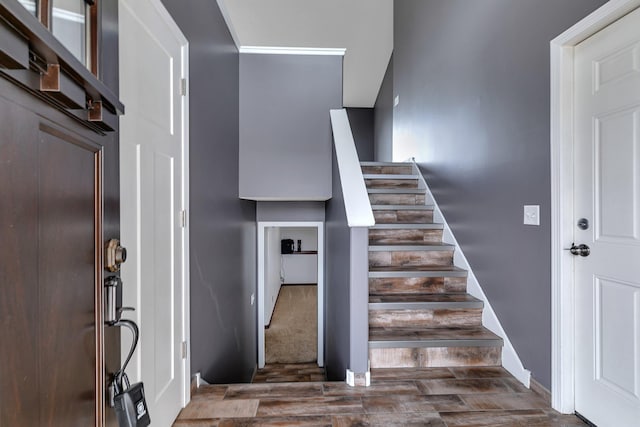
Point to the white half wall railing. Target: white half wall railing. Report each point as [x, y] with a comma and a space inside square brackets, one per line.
[359, 217]
[356, 198]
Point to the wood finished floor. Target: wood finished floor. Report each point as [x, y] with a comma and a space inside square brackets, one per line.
[290, 373]
[487, 396]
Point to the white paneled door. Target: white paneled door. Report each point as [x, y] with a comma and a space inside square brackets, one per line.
[153, 141]
[607, 183]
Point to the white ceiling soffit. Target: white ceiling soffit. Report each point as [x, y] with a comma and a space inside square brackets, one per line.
[363, 27]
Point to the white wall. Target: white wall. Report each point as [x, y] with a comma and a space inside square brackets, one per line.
[293, 269]
[309, 237]
[272, 270]
[300, 268]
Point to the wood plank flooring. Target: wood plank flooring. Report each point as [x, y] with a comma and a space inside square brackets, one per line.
[478, 396]
[289, 373]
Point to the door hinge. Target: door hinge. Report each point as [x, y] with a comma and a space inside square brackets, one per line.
[183, 87]
[184, 349]
[183, 219]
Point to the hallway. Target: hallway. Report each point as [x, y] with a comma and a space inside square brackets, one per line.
[487, 396]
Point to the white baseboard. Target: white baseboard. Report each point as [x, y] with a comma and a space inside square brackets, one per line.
[358, 379]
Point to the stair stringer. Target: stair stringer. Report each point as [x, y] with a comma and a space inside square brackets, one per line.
[510, 359]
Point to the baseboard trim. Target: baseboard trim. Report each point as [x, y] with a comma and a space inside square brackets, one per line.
[253, 375]
[194, 385]
[358, 379]
[196, 382]
[540, 390]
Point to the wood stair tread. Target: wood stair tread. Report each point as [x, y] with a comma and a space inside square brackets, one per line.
[402, 207]
[433, 337]
[389, 176]
[408, 226]
[367, 163]
[449, 300]
[433, 268]
[395, 191]
[418, 271]
[414, 246]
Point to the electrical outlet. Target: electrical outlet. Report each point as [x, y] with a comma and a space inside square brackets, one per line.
[531, 214]
[253, 298]
[396, 101]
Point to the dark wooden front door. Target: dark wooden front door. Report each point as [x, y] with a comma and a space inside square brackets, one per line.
[53, 367]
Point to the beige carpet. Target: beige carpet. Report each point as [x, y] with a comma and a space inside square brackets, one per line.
[292, 335]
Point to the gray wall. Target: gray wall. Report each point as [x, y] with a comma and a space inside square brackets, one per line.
[361, 121]
[290, 211]
[285, 130]
[359, 299]
[222, 228]
[337, 304]
[474, 101]
[383, 118]
[109, 63]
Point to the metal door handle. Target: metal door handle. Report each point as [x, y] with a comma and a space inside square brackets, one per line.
[582, 250]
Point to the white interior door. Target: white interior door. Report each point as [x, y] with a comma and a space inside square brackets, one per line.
[607, 194]
[153, 142]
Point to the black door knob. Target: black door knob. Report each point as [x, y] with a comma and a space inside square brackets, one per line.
[582, 250]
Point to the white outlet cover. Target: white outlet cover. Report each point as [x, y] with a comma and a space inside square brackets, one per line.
[253, 298]
[396, 101]
[531, 214]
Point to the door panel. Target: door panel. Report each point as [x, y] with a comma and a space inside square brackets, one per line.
[69, 339]
[18, 267]
[617, 177]
[607, 193]
[152, 189]
[618, 369]
[50, 272]
[158, 272]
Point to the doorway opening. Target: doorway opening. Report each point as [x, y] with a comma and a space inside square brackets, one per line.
[290, 293]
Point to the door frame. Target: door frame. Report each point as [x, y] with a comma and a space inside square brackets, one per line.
[562, 192]
[186, 252]
[262, 225]
[185, 333]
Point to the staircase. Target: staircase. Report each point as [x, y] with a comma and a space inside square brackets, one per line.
[420, 314]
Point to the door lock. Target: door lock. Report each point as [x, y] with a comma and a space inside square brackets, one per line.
[111, 285]
[583, 224]
[115, 254]
[582, 250]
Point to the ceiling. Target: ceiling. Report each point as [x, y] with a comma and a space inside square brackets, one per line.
[363, 27]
